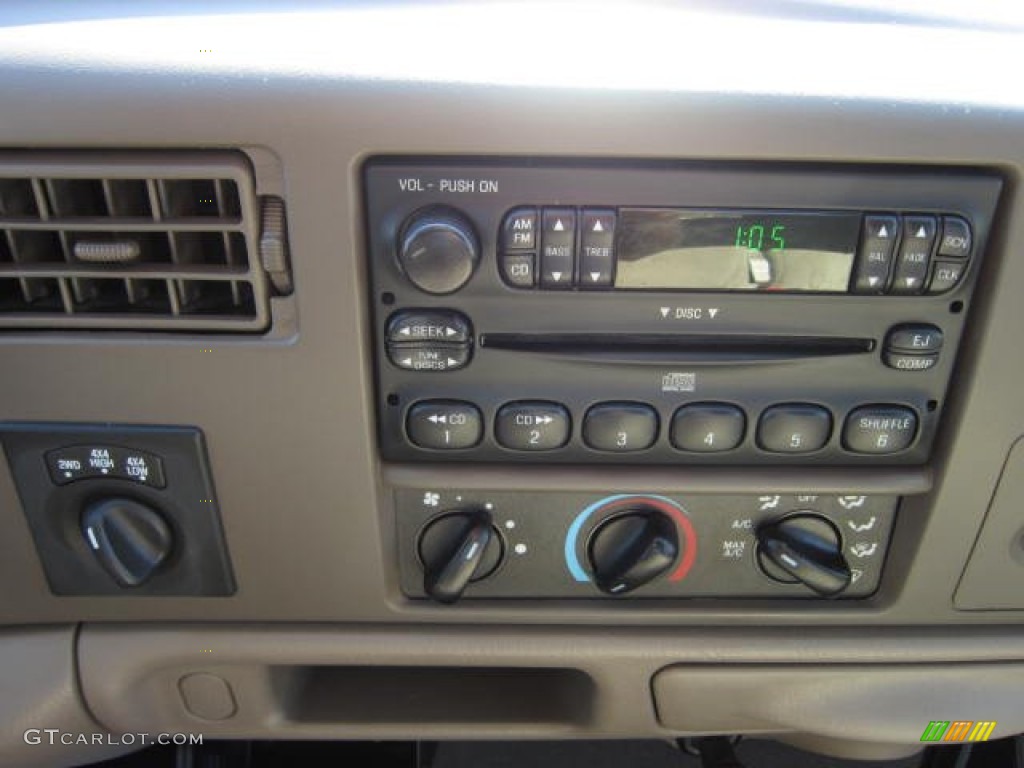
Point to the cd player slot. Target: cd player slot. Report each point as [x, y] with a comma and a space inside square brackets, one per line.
[661, 348]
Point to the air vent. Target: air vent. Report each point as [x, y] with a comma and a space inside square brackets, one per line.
[165, 242]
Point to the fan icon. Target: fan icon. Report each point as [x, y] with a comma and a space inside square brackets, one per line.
[431, 499]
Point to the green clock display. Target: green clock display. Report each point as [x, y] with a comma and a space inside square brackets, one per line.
[760, 237]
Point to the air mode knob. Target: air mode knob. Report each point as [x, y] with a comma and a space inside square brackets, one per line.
[457, 549]
[632, 548]
[438, 250]
[805, 548]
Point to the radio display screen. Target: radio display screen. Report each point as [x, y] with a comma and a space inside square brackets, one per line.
[735, 250]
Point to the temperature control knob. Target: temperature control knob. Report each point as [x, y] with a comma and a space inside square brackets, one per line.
[438, 250]
[631, 549]
[456, 549]
[805, 548]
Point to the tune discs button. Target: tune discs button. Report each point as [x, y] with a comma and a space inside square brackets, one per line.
[444, 425]
[532, 426]
[428, 357]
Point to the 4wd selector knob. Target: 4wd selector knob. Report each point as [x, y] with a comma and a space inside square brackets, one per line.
[438, 250]
[631, 549]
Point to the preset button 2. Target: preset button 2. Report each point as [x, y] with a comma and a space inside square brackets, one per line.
[533, 425]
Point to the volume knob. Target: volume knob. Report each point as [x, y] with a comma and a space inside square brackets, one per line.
[438, 250]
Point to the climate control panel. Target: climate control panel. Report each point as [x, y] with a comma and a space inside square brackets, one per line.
[471, 544]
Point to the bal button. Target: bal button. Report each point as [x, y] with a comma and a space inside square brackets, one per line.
[880, 429]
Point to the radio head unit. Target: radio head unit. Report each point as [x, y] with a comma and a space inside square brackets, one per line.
[668, 313]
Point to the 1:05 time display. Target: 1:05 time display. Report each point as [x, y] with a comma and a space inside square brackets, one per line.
[758, 237]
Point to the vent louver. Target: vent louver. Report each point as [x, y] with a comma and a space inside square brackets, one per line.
[150, 241]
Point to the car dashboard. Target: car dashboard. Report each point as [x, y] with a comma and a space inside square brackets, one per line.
[509, 371]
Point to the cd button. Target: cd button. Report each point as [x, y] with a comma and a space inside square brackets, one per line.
[956, 238]
[874, 258]
[519, 232]
[444, 424]
[620, 427]
[879, 429]
[794, 428]
[532, 426]
[946, 275]
[519, 269]
[558, 247]
[915, 255]
[708, 427]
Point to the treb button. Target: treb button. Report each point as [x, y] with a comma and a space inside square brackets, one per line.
[597, 248]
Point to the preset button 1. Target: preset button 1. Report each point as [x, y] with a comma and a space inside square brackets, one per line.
[444, 424]
[532, 425]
